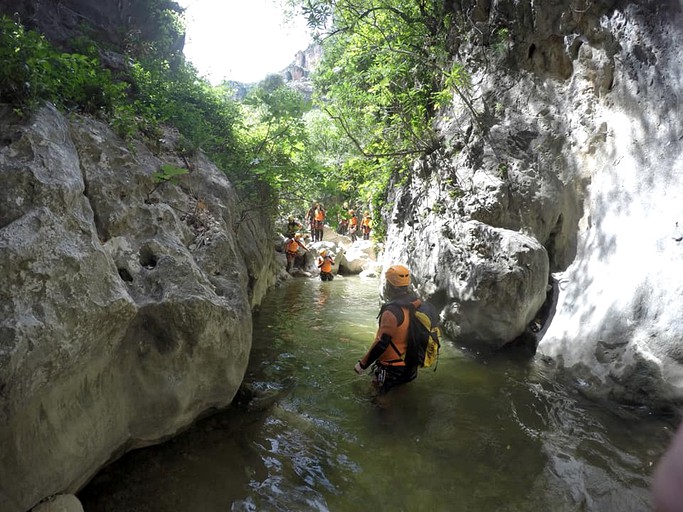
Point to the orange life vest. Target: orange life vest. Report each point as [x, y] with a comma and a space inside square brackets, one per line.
[319, 214]
[292, 247]
[325, 264]
[395, 353]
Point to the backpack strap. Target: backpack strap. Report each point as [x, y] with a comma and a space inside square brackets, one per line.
[401, 356]
[395, 309]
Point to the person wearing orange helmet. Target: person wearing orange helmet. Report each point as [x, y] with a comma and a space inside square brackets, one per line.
[291, 247]
[325, 264]
[366, 225]
[387, 354]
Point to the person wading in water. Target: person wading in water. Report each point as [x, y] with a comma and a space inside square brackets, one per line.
[325, 264]
[387, 353]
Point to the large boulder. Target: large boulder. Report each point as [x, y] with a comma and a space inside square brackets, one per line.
[125, 310]
[504, 288]
[358, 256]
[489, 283]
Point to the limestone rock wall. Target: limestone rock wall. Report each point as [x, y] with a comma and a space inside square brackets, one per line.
[125, 310]
[619, 317]
[571, 137]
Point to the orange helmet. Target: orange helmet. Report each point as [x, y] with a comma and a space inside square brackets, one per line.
[398, 275]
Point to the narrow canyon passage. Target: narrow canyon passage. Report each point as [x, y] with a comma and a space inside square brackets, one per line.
[500, 433]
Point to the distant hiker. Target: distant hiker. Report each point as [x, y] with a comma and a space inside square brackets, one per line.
[291, 246]
[353, 225]
[310, 219]
[387, 354]
[366, 225]
[293, 226]
[318, 222]
[325, 264]
[343, 219]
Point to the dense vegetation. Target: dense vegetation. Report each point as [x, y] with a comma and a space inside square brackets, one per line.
[385, 73]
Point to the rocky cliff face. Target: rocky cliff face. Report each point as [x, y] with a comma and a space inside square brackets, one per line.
[116, 24]
[298, 74]
[125, 310]
[568, 157]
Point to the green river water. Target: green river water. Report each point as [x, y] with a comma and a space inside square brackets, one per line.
[501, 433]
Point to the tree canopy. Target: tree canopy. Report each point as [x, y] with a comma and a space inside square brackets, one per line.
[385, 73]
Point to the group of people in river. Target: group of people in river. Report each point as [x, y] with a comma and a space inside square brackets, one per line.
[349, 223]
[386, 356]
[325, 262]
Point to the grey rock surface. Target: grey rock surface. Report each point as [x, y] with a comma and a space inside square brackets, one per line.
[125, 310]
[572, 136]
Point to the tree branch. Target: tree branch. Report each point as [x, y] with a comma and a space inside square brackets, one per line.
[359, 146]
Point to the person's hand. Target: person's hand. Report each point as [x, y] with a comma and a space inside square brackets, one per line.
[359, 369]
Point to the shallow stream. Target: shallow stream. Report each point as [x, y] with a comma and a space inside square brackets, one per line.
[479, 434]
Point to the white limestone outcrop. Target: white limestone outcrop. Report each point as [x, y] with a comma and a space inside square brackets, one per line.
[577, 143]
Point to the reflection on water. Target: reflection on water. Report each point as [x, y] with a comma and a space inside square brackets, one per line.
[306, 433]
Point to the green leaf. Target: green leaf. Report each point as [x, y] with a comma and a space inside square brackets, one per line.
[169, 173]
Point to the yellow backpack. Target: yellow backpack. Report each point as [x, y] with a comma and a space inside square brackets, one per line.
[424, 333]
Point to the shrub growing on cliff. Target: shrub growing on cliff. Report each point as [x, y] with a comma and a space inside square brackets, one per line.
[200, 112]
[33, 71]
[152, 93]
[262, 145]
